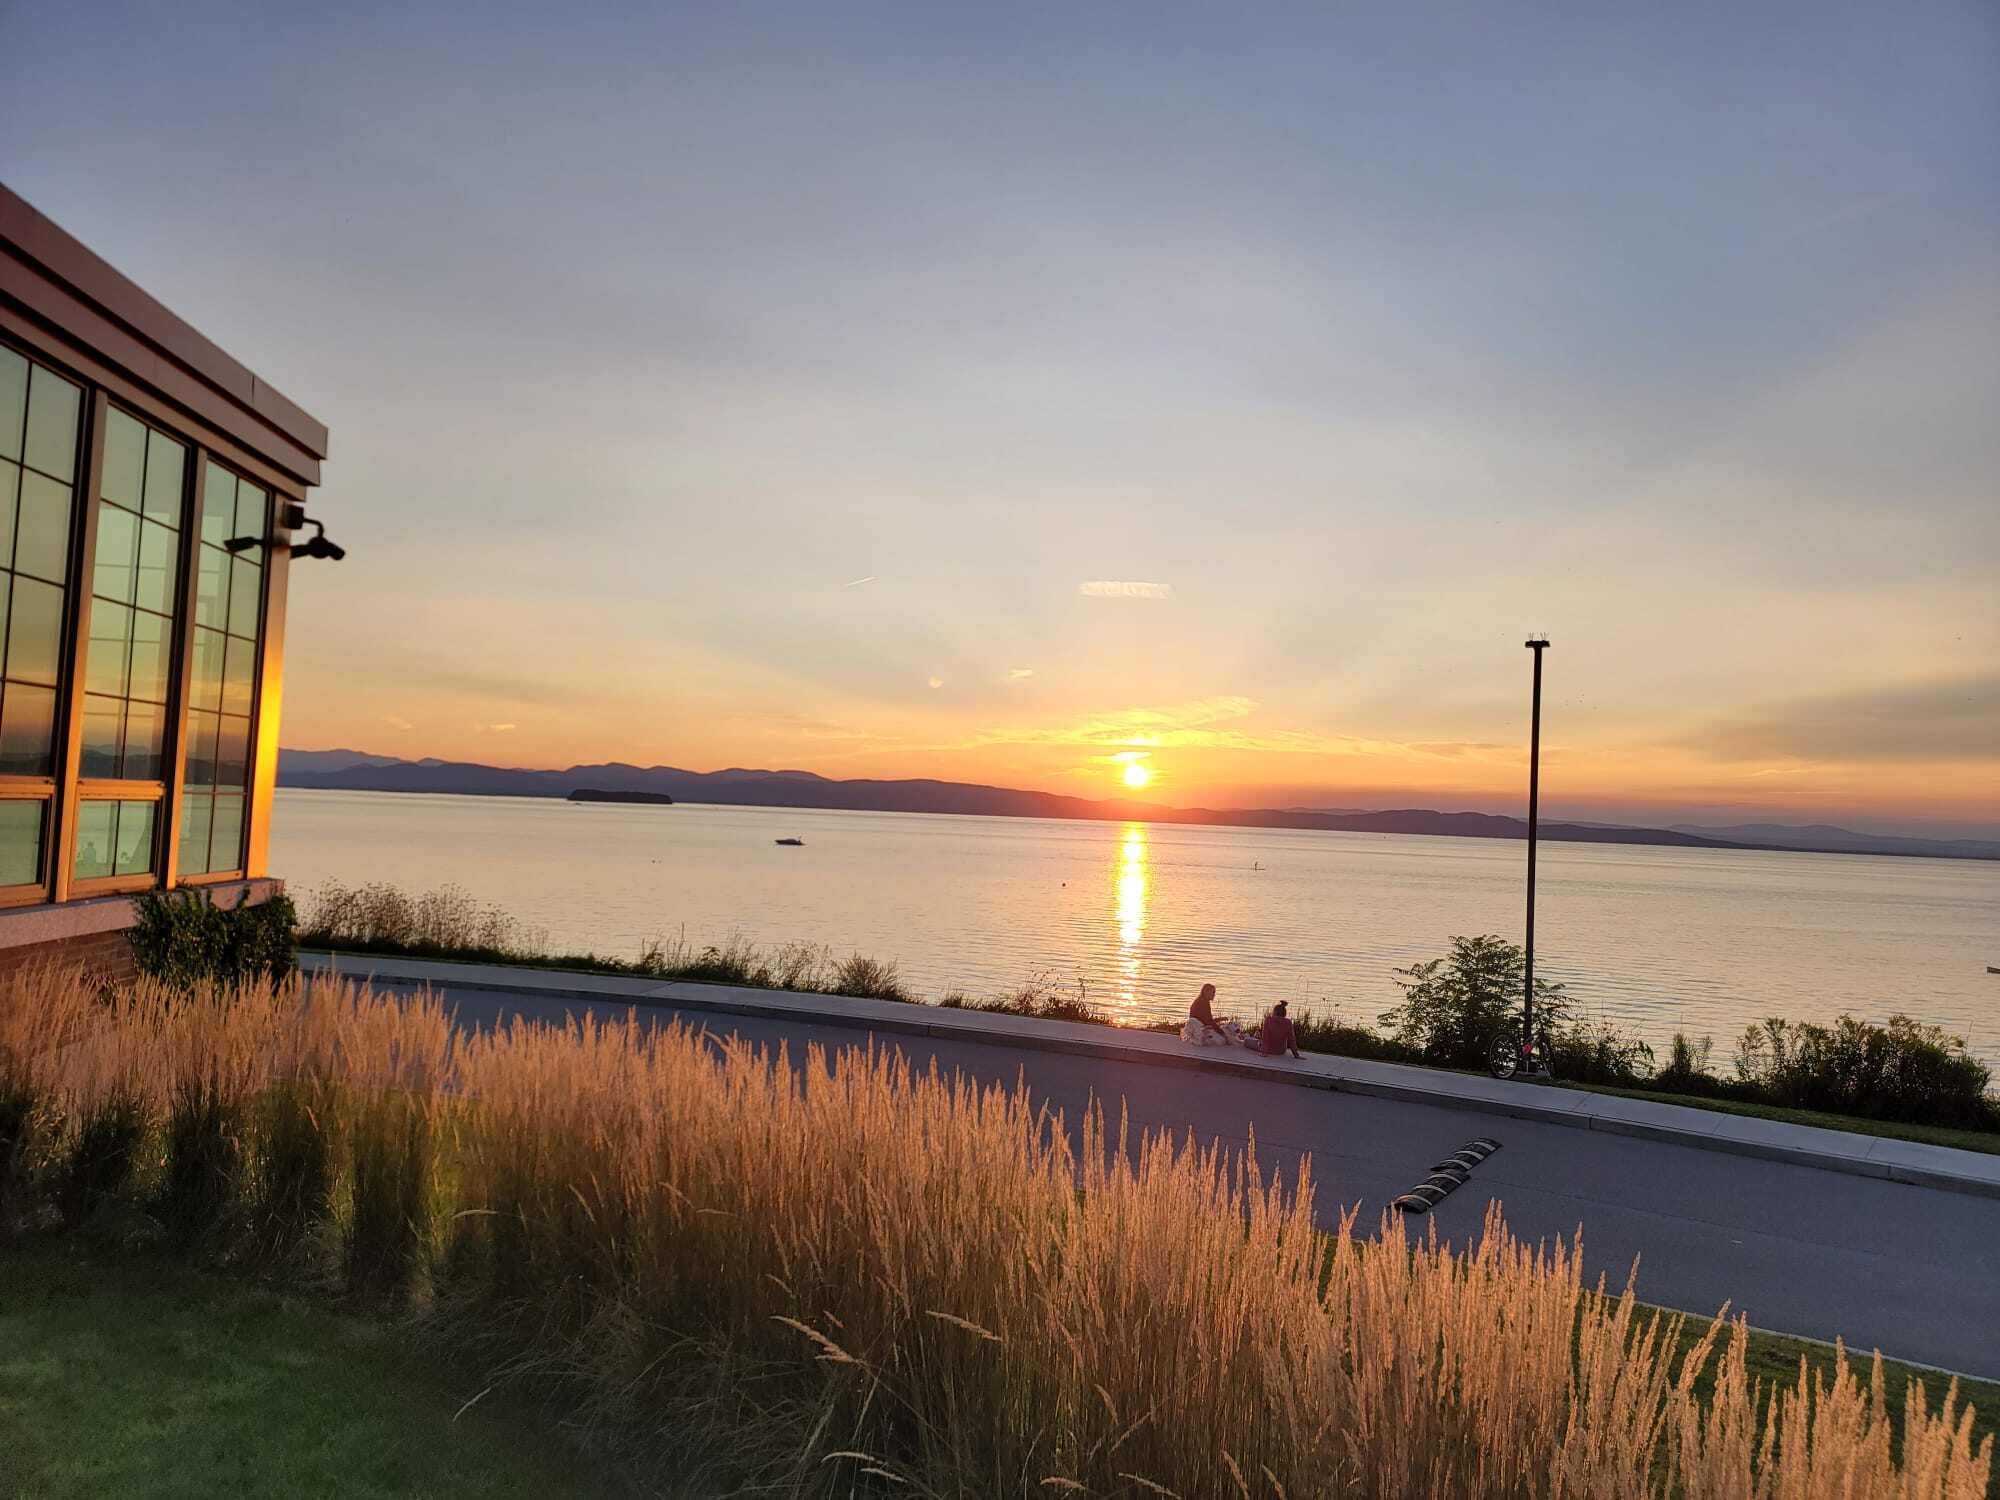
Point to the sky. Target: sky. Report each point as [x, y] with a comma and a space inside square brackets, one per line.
[1025, 394]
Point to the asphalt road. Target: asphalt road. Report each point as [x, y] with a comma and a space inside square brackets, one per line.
[1910, 1270]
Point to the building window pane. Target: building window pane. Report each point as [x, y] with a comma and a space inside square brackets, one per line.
[152, 648]
[50, 442]
[211, 589]
[225, 844]
[27, 730]
[34, 632]
[201, 735]
[21, 825]
[246, 592]
[206, 689]
[13, 402]
[134, 843]
[250, 512]
[196, 815]
[124, 460]
[166, 478]
[232, 752]
[108, 661]
[41, 543]
[117, 570]
[239, 683]
[103, 732]
[10, 498]
[145, 733]
[218, 506]
[159, 561]
[96, 830]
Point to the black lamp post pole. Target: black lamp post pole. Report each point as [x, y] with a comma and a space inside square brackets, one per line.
[1530, 1059]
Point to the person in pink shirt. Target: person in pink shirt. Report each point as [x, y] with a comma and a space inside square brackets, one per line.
[1278, 1035]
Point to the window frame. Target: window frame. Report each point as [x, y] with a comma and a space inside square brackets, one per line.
[266, 573]
[40, 790]
[111, 788]
[48, 790]
[63, 793]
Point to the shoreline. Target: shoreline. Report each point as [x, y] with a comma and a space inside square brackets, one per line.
[1249, 819]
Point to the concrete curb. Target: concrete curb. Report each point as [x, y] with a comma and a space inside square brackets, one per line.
[1941, 1167]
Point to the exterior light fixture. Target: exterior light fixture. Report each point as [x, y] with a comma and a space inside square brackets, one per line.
[292, 517]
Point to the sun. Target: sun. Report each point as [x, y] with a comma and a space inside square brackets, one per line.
[1137, 775]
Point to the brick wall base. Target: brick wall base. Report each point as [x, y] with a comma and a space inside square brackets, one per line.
[90, 934]
[104, 956]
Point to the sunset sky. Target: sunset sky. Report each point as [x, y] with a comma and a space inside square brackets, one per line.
[994, 392]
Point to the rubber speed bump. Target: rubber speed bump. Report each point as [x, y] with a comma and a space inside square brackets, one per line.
[1445, 1177]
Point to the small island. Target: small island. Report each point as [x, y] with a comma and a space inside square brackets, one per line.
[592, 794]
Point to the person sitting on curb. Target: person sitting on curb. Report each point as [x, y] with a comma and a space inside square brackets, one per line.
[1278, 1035]
[1202, 1028]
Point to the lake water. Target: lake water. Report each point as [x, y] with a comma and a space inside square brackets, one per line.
[1653, 939]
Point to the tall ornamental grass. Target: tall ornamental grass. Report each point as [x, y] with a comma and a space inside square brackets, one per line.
[836, 1274]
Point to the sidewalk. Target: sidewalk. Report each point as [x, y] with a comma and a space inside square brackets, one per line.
[1710, 1130]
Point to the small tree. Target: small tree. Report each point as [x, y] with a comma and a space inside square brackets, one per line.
[1454, 1006]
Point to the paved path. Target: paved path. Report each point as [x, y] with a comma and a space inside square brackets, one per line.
[1909, 1268]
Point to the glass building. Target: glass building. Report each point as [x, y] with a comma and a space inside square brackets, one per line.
[149, 486]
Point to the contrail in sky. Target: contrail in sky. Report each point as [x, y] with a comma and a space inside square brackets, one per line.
[857, 582]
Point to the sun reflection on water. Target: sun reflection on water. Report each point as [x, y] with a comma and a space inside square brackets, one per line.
[1130, 883]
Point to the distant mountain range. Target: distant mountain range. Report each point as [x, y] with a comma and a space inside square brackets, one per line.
[1826, 838]
[354, 770]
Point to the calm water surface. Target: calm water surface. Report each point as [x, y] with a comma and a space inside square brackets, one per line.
[1653, 939]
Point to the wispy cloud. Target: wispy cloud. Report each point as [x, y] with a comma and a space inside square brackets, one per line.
[494, 728]
[1020, 674]
[1106, 588]
[936, 682]
[1217, 723]
[1955, 719]
[855, 583]
[397, 721]
[805, 726]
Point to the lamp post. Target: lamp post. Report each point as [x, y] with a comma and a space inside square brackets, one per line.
[1530, 1053]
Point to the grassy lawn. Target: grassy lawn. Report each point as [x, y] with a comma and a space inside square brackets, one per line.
[1930, 1135]
[125, 1378]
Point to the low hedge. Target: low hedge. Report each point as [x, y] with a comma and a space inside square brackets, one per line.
[182, 939]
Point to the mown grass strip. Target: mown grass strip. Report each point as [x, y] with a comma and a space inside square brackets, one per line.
[123, 1377]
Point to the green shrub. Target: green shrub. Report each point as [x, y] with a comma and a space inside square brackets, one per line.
[1345, 1039]
[867, 979]
[182, 939]
[1687, 1072]
[1597, 1052]
[1454, 1006]
[1902, 1070]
